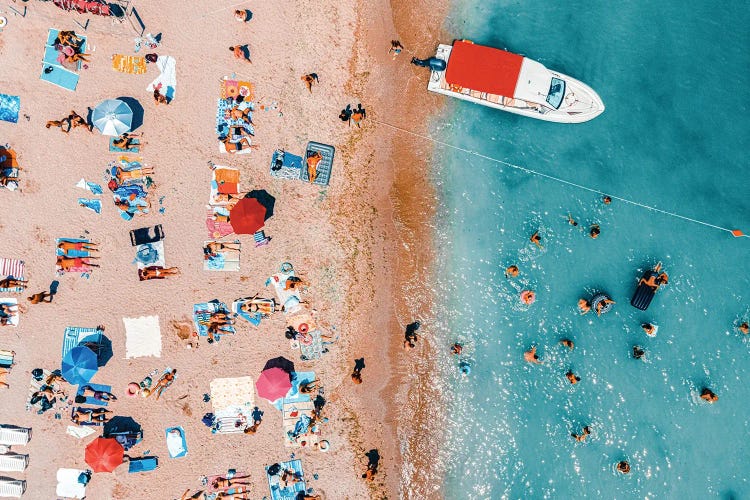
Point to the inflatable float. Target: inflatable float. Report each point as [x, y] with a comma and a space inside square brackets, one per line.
[600, 298]
[644, 292]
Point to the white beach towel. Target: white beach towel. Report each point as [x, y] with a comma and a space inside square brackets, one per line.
[79, 432]
[142, 337]
[13, 303]
[167, 78]
[174, 443]
[68, 485]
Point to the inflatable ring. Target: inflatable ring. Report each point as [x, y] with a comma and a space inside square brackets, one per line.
[465, 368]
[306, 339]
[528, 297]
[324, 445]
[133, 389]
[303, 328]
[3, 22]
[598, 298]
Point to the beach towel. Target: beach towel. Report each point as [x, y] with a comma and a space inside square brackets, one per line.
[7, 359]
[145, 235]
[217, 229]
[134, 148]
[68, 485]
[232, 392]
[208, 482]
[289, 492]
[89, 186]
[134, 65]
[285, 165]
[10, 107]
[224, 180]
[142, 337]
[233, 88]
[167, 78]
[12, 268]
[79, 266]
[75, 335]
[79, 432]
[96, 387]
[224, 260]
[150, 254]
[92, 204]
[43, 405]
[265, 308]
[10, 173]
[14, 319]
[202, 318]
[296, 424]
[290, 299]
[176, 443]
[311, 345]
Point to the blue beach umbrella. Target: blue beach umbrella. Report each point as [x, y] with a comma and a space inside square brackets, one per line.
[79, 365]
[112, 117]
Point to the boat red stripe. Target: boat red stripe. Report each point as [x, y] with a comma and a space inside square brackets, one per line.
[481, 68]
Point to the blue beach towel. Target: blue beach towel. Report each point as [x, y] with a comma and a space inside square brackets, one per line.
[96, 387]
[91, 203]
[115, 149]
[281, 492]
[10, 106]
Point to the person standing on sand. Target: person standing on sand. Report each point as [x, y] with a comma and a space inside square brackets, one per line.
[359, 114]
[410, 336]
[309, 79]
[346, 114]
[359, 365]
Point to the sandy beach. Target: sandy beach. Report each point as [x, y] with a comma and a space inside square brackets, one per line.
[357, 241]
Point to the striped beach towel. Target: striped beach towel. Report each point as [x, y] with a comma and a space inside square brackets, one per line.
[134, 65]
[12, 268]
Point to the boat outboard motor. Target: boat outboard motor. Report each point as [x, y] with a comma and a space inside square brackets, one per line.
[433, 63]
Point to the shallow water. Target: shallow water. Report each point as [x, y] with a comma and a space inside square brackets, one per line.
[675, 136]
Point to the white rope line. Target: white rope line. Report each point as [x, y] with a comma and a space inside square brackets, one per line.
[557, 179]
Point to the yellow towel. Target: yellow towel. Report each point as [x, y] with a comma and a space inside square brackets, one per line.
[135, 65]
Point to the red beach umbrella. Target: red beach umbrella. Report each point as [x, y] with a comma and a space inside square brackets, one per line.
[104, 454]
[247, 216]
[273, 384]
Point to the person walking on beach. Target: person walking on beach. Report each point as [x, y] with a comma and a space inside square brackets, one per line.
[359, 114]
[346, 114]
[243, 16]
[309, 79]
[396, 48]
[531, 357]
[40, 297]
[359, 365]
[410, 336]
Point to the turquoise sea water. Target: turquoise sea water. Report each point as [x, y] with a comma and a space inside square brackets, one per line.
[675, 135]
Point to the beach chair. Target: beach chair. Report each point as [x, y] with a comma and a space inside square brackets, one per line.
[12, 435]
[12, 488]
[13, 462]
[142, 464]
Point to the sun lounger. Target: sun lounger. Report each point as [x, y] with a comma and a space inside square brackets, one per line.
[6, 359]
[13, 304]
[68, 485]
[12, 268]
[146, 235]
[133, 65]
[142, 464]
[325, 165]
[13, 462]
[11, 435]
[278, 490]
[135, 148]
[12, 488]
[176, 442]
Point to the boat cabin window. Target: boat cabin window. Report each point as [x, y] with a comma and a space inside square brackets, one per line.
[556, 92]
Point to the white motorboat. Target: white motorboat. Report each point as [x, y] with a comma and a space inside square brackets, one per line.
[503, 80]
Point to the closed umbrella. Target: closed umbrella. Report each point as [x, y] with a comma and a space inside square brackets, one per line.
[104, 454]
[247, 216]
[273, 384]
[112, 117]
[79, 365]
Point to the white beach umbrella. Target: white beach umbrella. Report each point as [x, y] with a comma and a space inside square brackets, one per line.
[112, 117]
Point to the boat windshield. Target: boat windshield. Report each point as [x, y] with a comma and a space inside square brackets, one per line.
[556, 92]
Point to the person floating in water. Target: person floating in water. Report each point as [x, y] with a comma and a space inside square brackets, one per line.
[654, 281]
[536, 239]
[708, 395]
[531, 357]
[623, 467]
[586, 431]
[572, 221]
[744, 327]
[607, 200]
[594, 231]
[511, 271]
[584, 306]
[456, 349]
[649, 329]
[572, 377]
[638, 352]
[567, 343]
[601, 304]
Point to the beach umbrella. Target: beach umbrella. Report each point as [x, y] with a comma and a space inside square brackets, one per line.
[104, 454]
[112, 117]
[79, 365]
[280, 362]
[247, 216]
[119, 425]
[273, 384]
[265, 199]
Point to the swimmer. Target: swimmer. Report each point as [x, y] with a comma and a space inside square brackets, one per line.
[623, 467]
[606, 200]
[511, 271]
[708, 395]
[582, 436]
[572, 377]
[567, 343]
[594, 231]
[536, 239]
[638, 353]
[744, 327]
[531, 357]
[572, 221]
[600, 305]
[584, 306]
[649, 329]
[456, 349]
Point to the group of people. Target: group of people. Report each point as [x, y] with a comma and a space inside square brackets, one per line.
[70, 48]
[70, 258]
[349, 115]
[237, 134]
[73, 120]
[128, 182]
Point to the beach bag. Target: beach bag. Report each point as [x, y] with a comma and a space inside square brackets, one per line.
[208, 419]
